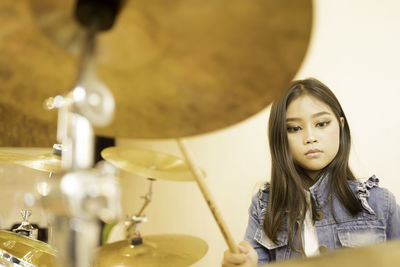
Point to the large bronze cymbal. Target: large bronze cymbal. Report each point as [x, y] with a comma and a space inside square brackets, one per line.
[175, 68]
[45, 162]
[156, 251]
[148, 163]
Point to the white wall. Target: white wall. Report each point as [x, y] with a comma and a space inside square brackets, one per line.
[354, 50]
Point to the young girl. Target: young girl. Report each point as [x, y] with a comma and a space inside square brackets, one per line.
[314, 203]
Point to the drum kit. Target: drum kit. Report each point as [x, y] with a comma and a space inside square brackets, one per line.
[21, 246]
[137, 69]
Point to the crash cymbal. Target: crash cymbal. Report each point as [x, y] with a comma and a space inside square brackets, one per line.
[382, 255]
[148, 163]
[175, 68]
[25, 251]
[45, 162]
[156, 250]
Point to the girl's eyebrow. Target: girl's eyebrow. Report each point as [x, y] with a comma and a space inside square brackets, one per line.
[313, 116]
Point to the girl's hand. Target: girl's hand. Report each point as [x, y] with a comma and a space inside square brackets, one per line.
[247, 258]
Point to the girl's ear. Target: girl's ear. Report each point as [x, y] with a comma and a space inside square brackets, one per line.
[342, 121]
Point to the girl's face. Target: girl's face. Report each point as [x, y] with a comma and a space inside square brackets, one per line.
[313, 133]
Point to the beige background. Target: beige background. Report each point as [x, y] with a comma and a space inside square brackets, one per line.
[354, 50]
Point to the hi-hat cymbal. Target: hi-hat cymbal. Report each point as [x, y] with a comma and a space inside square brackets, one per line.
[19, 249]
[148, 163]
[175, 68]
[45, 162]
[156, 251]
[382, 255]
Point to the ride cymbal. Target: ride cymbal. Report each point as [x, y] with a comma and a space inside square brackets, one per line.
[155, 251]
[148, 163]
[175, 68]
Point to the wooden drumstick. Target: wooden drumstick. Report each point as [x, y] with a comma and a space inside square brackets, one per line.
[208, 197]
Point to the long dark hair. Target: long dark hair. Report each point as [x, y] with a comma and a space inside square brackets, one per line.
[289, 180]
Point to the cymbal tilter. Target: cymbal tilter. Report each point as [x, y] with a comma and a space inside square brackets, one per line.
[26, 228]
[132, 223]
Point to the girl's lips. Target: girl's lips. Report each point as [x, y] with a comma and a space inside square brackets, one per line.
[313, 152]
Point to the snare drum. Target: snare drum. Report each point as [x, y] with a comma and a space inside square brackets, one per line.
[19, 250]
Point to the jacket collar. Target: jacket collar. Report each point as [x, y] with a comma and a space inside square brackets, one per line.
[320, 190]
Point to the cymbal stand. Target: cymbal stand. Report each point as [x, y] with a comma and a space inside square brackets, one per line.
[132, 224]
[82, 196]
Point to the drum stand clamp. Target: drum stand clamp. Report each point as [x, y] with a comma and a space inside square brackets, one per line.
[82, 196]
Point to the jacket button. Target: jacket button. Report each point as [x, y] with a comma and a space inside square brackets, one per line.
[318, 215]
[322, 249]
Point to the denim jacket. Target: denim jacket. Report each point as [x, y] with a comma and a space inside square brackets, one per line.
[378, 222]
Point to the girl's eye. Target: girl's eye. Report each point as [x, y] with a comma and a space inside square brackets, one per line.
[323, 124]
[292, 129]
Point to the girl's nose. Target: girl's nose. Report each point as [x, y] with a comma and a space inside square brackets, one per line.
[309, 137]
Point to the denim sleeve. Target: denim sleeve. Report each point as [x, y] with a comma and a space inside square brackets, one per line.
[252, 226]
[393, 225]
